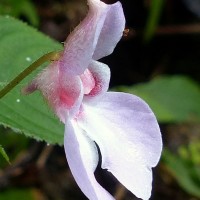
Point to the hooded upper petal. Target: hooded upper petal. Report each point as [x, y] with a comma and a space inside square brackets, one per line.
[96, 36]
[111, 32]
[81, 43]
[129, 138]
[82, 157]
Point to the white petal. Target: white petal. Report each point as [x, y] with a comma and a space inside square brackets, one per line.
[129, 138]
[82, 157]
[111, 32]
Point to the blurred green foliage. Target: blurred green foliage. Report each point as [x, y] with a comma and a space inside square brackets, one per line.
[20, 8]
[14, 144]
[172, 98]
[4, 154]
[155, 10]
[15, 193]
[191, 152]
[185, 166]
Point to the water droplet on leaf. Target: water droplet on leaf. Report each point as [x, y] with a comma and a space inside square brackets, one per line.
[28, 59]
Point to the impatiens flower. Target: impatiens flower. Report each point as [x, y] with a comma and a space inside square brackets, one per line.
[122, 125]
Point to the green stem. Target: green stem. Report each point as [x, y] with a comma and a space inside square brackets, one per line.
[52, 56]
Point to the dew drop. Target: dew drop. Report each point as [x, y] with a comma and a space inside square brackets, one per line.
[18, 100]
[28, 59]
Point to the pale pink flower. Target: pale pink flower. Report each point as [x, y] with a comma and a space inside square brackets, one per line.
[122, 125]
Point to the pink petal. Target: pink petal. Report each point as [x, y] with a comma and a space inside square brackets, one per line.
[30, 88]
[62, 92]
[111, 32]
[81, 43]
[101, 76]
[129, 138]
[82, 157]
[87, 81]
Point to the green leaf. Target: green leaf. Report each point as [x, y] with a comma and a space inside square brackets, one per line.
[20, 8]
[153, 18]
[15, 193]
[27, 9]
[20, 45]
[4, 154]
[173, 99]
[13, 143]
[182, 172]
